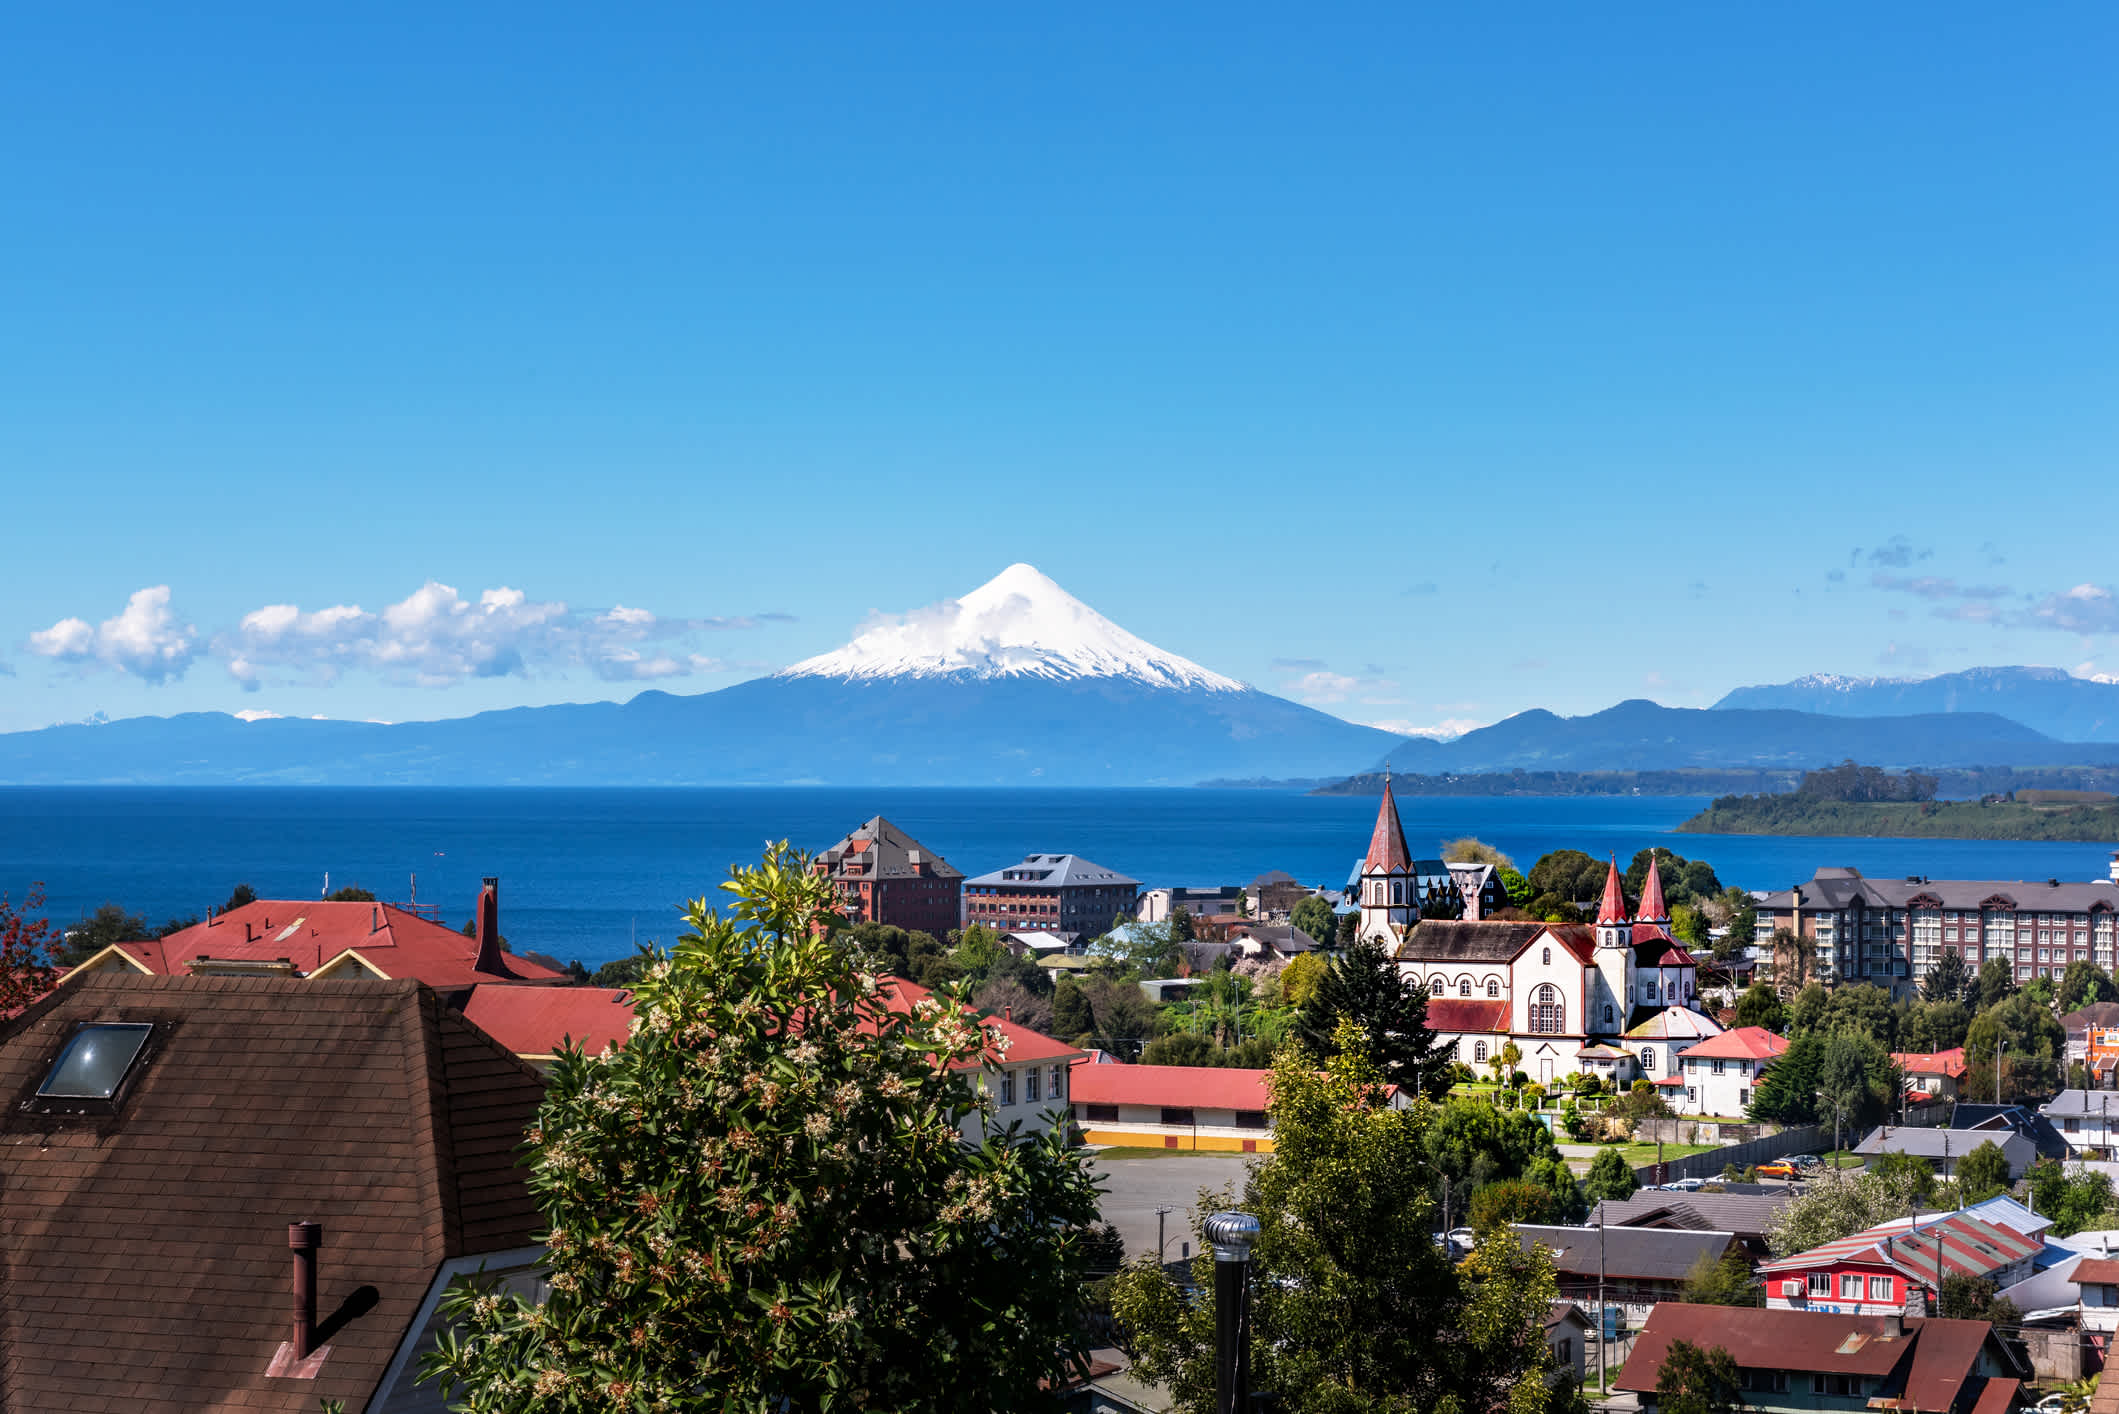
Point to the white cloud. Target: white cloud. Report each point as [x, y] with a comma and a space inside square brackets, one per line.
[146, 640]
[257, 714]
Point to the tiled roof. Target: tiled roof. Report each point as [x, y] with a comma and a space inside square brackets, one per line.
[1743, 1043]
[2095, 1014]
[1834, 889]
[1458, 1014]
[1749, 1216]
[1639, 1253]
[2091, 1271]
[534, 1022]
[1387, 852]
[390, 940]
[1207, 1087]
[880, 850]
[1613, 907]
[1929, 1364]
[1949, 1063]
[1056, 871]
[146, 1253]
[1449, 940]
[1969, 1247]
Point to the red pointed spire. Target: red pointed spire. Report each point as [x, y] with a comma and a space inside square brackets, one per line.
[1387, 851]
[1652, 909]
[1613, 909]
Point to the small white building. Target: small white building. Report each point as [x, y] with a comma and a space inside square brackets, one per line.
[1721, 1073]
[1657, 1042]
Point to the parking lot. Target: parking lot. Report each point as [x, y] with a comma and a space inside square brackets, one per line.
[1134, 1187]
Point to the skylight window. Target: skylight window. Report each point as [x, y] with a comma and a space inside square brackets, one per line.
[95, 1062]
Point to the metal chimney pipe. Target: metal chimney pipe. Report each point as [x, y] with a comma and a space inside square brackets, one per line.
[1232, 1235]
[305, 1238]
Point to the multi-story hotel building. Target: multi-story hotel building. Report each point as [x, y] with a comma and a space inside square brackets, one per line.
[1061, 893]
[1891, 931]
[886, 876]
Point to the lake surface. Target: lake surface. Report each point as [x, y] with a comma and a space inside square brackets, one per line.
[582, 870]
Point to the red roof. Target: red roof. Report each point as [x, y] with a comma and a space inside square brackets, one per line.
[1448, 1014]
[536, 1021]
[1652, 909]
[1744, 1043]
[1968, 1247]
[310, 933]
[1933, 1359]
[1387, 851]
[1950, 1063]
[2093, 1271]
[1577, 938]
[1613, 909]
[1207, 1087]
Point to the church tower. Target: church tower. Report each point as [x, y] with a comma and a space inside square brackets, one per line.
[1390, 902]
[1607, 1010]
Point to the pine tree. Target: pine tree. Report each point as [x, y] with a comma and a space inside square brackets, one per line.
[1949, 980]
[1390, 1010]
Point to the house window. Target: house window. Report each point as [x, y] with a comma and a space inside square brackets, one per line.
[1647, 1059]
[1464, 986]
[1107, 1113]
[1059, 1083]
[1175, 1115]
[1031, 1078]
[1548, 1014]
[1820, 1283]
[1546, 957]
[1846, 1386]
[1566, 1349]
[1493, 987]
[1849, 1286]
[1250, 1119]
[1007, 1087]
[1608, 1016]
[1479, 1051]
[1879, 1288]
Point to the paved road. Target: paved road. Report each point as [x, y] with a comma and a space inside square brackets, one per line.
[1133, 1188]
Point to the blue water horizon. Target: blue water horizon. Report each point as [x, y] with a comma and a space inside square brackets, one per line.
[586, 871]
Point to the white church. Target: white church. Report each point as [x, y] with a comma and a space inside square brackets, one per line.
[1617, 998]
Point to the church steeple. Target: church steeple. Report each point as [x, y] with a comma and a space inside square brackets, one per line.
[1387, 851]
[1390, 897]
[1613, 929]
[1652, 909]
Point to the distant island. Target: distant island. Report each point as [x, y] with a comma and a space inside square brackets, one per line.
[1851, 800]
[1693, 781]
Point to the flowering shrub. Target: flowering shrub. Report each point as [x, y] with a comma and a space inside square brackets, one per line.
[762, 1201]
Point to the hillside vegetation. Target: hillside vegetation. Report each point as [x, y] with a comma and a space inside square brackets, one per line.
[1862, 800]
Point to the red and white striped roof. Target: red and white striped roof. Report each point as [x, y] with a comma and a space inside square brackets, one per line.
[1968, 1246]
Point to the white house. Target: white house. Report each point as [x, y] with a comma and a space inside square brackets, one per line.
[1722, 1072]
[1656, 1044]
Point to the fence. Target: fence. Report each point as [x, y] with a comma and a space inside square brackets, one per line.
[1802, 1139]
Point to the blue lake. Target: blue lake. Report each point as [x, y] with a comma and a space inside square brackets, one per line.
[582, 870]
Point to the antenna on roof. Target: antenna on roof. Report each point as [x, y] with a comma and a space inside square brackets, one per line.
[326, 893]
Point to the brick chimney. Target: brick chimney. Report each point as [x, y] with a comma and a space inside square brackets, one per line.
[489, 929]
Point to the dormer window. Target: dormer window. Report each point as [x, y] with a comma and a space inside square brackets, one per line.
[92, 1069]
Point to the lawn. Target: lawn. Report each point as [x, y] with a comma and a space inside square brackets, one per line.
[1122, 1151]
[1640, 1154]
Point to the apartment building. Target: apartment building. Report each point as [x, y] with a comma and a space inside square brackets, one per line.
[886, 876]
[1061, 893]
[1891, 931]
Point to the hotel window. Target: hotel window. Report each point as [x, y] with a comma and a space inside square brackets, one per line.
[1879, 1288]
[1007, 1087]
[1820, 1283]
[1849, 1287]
[1031, 1079]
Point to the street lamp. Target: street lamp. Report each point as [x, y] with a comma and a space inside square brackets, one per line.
[1232, 1235]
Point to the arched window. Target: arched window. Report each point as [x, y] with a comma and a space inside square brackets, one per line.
[1548, 1013]
[1479, 1051]
[1464, 986]
[1648, 1060]
[1493, 986]
[1547, 958]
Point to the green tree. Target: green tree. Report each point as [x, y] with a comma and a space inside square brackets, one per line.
[1121, 1016]
[1569, 1203]
[1787, 1092]
[1349, 928]
[1863, 1008]
[1314, 917]
[740, 1222]
[1180, 1048]
[1859, 1081]
[1949, 980]
[1070, 1010]
[1841, 1208]
[1970, 1298]
[1471, 1142]
[624, 971]
[107, 925]
[1518, 887]
[1996, 983]
[238, 896]
[1510, 1200]
[2083, 983]
[1299, 979]
[1696, 1380]
[1983, 1173]
[2072, 1198]
[1355, 1308]
[1760, 1005]
[1180, 924]
[1808, 1013]
[1919, 1173]
[1568, 875]
[1724, 1282]
[1933, 1026]
[1467, 850]
[1389, 1011]
[352, 893]
[2026, 1037]
[1610, 1176]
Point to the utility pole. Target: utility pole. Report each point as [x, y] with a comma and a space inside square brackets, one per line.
[1603, 1328]
[1162, 1210]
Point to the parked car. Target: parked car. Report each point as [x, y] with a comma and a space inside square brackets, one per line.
[1686, 1185]
[1807, 1161]
[1463, 1238]
[1779, 1168]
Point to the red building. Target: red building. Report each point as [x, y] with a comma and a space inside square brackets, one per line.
[886, 876]
[1899, 1267]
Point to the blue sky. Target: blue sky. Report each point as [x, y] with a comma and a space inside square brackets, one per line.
[1428, 367]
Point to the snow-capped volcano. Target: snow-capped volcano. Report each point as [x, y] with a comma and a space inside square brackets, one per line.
[1017, 624]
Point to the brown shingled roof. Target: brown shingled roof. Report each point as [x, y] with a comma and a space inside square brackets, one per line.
[145, 1253]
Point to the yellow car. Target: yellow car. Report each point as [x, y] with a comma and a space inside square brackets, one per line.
[1779, 1168]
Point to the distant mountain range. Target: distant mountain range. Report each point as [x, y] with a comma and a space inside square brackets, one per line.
[2062, 706]
[1643, 736]
[1021, 684]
